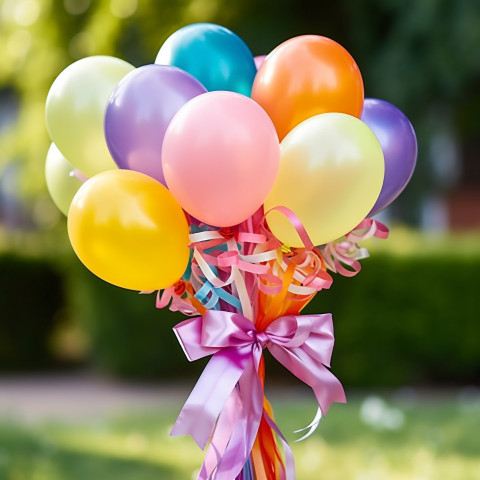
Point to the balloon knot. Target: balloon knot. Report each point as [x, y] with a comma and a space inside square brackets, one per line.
[180, 288]
[262, 339]
[228, 233]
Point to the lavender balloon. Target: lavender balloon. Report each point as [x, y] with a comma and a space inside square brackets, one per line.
[399, 145]
[139, 112]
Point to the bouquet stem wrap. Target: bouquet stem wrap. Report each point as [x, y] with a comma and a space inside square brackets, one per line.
[303, 344]
[248, 291]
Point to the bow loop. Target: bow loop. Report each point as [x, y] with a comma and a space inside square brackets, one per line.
[303, 344]
[262, 339]
[226, 329]
[290, 331]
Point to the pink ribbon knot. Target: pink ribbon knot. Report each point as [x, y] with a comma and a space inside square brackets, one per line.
[262, 339]
[303, 344]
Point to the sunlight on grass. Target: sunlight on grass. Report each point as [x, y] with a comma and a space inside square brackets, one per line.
[137, 440]
[436, 440]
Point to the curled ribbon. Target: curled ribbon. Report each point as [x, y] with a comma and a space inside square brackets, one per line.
[302, 343]
[368, 228]
[250, 289]
[337, 255]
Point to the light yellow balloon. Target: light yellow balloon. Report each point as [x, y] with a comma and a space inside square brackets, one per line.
[331, 173]
[75, 111]
[61, 184]
[129, 230]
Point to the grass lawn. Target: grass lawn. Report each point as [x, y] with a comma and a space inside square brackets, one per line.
[370, 438]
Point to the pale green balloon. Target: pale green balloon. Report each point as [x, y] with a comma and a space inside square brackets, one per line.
[61, 183]
[331, 173]
[75, 111]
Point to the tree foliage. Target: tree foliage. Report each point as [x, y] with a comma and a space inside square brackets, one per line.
[420, 55]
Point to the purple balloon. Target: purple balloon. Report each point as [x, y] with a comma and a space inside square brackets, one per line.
[259, 59]
[139, 112]
[399, 145]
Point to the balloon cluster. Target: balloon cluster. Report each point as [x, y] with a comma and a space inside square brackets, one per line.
[230, 170]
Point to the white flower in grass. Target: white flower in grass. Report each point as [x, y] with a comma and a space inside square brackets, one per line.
[376, 413]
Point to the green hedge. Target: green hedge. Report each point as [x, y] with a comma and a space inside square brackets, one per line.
[401, 320]
[31, 302]
[412, 320]
[128, 336]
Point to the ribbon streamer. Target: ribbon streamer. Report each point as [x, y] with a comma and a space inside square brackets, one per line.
[303, 344]
[371, 228]
[337, 255]
[249, 290]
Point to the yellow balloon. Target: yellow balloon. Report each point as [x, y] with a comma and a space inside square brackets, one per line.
[75, 110]
[331, 173]
[129, 230]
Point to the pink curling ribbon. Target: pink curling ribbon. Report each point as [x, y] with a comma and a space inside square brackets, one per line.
[243, 270]
[303, 344]
[232, 262]
[310, 283]
[337, 255]
[296, 223]
[178, 295]
[374, 228]
[347, 253]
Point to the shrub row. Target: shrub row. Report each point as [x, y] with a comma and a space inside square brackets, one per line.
[402, 320]
[32, 298]
[411, 320]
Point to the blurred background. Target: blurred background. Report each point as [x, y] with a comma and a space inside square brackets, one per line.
[407, 336]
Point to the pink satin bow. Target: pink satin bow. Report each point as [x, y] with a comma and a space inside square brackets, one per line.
[303, 344]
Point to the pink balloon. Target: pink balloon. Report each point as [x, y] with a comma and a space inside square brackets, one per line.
[220, 157]
[259, 59]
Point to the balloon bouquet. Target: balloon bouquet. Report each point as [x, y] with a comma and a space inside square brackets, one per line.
[237, 192]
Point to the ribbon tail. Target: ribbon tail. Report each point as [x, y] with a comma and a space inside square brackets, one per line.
[289, 472]
[221, 436]
[326, 387]
[244, 431]
[312, 427]
[202, 408]
[247, 472]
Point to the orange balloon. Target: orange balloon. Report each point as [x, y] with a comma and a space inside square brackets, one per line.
[306, 76]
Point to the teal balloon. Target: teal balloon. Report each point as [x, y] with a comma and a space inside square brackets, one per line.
[214, 55]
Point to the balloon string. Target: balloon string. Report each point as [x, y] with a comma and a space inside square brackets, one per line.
[346, 253]
[301, 273]
[266, 458]
[249, 271]
[374, 228]
[78, 175]
[268, 267]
